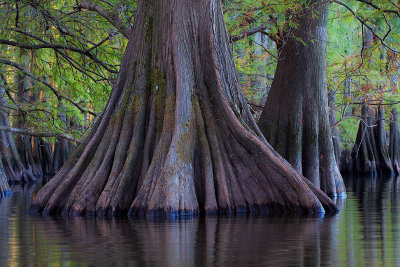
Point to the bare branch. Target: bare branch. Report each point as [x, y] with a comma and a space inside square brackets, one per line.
[112, 18]
[34, 134]
[51, 87]
[62, 47]
[363, 22]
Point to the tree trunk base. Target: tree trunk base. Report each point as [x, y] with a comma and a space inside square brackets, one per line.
[177, 137]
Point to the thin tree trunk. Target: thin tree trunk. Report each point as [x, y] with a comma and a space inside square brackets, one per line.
[295, 119]
[363, 154]
[62, 150]
[394, 144]
[14, 170]
[23, 142]
[370, 155]
[385, 164]
[335, 132]
[177, 136]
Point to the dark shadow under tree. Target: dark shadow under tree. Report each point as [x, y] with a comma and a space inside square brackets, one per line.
[176, 136]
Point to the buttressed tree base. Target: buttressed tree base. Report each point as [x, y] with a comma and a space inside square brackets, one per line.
[176, 137]
[295, 119]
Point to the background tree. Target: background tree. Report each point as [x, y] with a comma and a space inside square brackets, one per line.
[295, 118]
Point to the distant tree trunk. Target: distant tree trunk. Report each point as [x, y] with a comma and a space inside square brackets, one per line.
[11, 162]
[363, 153]
[41, 150]
[385, 164]
[369, 154]
[177, 136]
[394, 144]
[335, 132]
[61, 152]
[24, 142]
[295, 119]
[42, 155]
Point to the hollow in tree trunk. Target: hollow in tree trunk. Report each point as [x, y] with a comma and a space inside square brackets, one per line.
[295, 119]
[176, 136]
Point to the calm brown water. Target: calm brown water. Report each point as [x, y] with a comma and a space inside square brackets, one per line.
[365, 233]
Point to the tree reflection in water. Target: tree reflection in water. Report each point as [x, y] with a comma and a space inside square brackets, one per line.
[365, 232]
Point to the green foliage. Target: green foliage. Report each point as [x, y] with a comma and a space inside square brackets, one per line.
[83, 69]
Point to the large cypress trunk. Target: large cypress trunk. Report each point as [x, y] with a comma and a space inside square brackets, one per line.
[176, 136]
[295, 118]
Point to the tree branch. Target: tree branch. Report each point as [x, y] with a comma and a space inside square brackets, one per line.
[34, 134]
[365, 24]
[51, 87]
[63, 47]
[112, 18]
[247, 33]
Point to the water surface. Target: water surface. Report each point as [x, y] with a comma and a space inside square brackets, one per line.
[365, 233]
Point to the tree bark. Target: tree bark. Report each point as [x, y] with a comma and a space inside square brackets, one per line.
[4, 187]
[394, 144]
[14, 170]
[369, 154]
[385, 164]
[334, 130]
[295, 119]
[176, 136]
[61, 152]
[23, 142]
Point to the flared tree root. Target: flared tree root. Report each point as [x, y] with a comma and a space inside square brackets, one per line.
[176, 137]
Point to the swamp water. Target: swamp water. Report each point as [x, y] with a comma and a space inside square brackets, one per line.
[365, 233]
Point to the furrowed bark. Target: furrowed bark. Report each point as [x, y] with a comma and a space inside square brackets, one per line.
[176, 131]
[295, 119]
